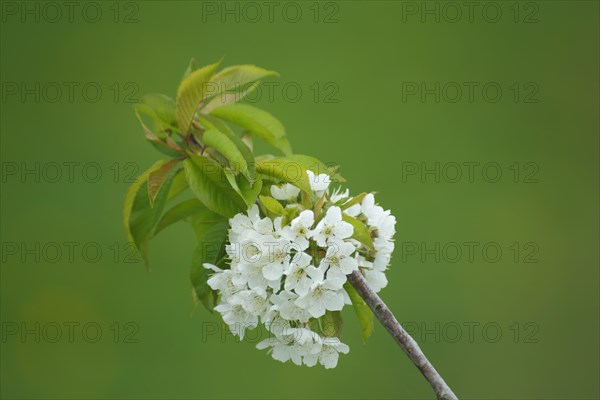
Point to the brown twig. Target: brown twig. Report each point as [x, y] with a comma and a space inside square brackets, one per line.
[406, 342]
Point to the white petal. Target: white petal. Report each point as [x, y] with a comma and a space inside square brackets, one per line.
[307, 218]
[343, 230]
[353, 211]
[334, 214]
[272, 271]
[329, 359]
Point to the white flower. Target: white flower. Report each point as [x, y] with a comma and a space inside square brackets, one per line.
[322, 296]
[318, 183]
[332, 226]
[285, 302]
[376, 279]
[386, 225]
[254, 254]
[254, 301]
[293, 345]
[328, 354]
[275, 322]
[252, 275]
[241, 224]
[237, 318]
[272, 280]
[250, 248]
[338, 195]
[300, 274]
[299, 229]
[223, 281]
[338, 262]
[277, 258]
[370, 209]
[383, 253]
[286, 192]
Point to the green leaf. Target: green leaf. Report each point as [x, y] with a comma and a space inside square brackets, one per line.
[272, 205]
[355, 200]
[287, 171]
[160, 108]
[190, 68]
[158, 177]
[232, 150]
[361, 232]
[210, 122]
[209, 250]
[203, 220]
[139, 216]
[209, 183]
[316, 166]
[362, 310]
[179, 212]
[290, 212]
[249, 191]
[178, 186]
[190, 94]
[331, 324]
[236, 78]
[227, 98]
[257, 122]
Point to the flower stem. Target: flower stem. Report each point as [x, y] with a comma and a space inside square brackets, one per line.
[406, 342]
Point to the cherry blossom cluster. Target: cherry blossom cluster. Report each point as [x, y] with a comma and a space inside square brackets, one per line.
[288, 276]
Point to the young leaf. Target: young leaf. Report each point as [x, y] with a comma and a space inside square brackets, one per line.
[209, 183]
[179, 212]
[355, 200]
[203, 220]
[316, 166]
[210, 122]
[290, 212]
[160, 108]
[190, 68]
[209, 250]
[158, 177]
[287, 171]
[249, 191]
[237, 79]
[227, 98]
[139, 216]
[362, 310]
[238, 76]
[272, 205]
[227, 146]
[361, 232]
[190, 94]
[178, 186]
[257, 122]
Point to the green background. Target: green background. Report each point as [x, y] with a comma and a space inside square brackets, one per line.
[366, 57]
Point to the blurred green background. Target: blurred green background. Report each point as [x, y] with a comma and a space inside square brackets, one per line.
[350, 92]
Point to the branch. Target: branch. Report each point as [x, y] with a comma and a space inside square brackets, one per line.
[406, 342]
